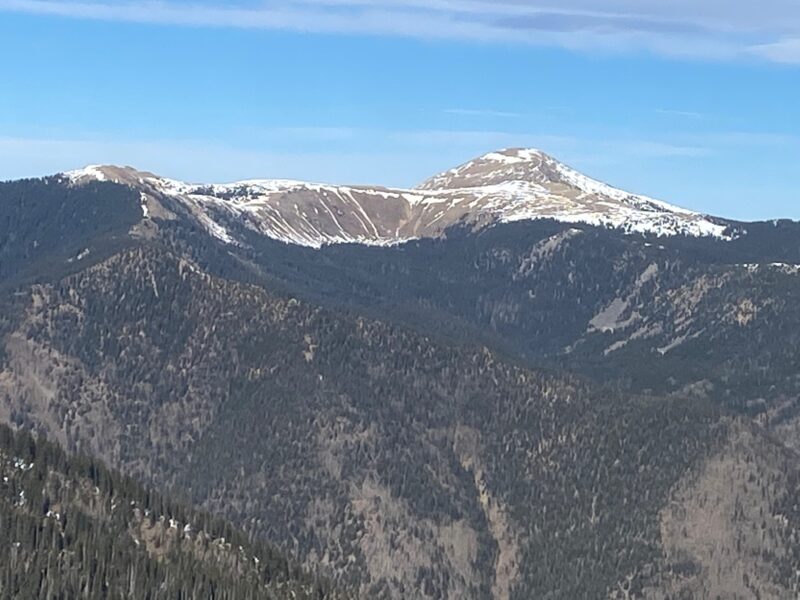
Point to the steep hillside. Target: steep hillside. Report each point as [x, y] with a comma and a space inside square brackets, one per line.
[402, 464]
[652, 314]
[47, 227]
[372, 408]
[71, 528]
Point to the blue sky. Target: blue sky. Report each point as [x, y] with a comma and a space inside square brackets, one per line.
[694, 102]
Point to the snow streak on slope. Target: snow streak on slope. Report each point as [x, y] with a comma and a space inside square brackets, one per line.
[500, 187]
[290, 211]
[298, 213]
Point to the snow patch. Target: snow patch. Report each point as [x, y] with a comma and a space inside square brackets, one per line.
[90, 172]
[143, 203]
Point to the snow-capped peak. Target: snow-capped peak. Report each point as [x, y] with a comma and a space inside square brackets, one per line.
[523, 184]
[511, 164]
[508, 185]
[532, 166]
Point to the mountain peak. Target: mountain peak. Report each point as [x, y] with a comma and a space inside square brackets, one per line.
[517, 154]
[114, 173]
[501, 166]
[523, 165]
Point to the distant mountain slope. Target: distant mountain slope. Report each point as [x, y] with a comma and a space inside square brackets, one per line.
[510, 185]
[71, 528]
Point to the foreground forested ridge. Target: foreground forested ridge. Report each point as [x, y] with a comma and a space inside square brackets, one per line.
[396, 463]
[71, 528]
[374, 410]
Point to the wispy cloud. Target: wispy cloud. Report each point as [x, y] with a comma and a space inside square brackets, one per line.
[783, 51]
[744, 139]
[472, 112]
[734, 29]
[686, 114]
[315, 133]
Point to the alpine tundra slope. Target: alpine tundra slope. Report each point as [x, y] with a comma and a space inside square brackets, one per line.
[499, 187]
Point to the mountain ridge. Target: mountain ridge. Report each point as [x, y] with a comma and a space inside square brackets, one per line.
[505, 186]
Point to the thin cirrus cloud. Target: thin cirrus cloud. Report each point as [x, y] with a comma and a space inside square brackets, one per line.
[711, 29]
[783, 51]
[481, 112]
[685, 114]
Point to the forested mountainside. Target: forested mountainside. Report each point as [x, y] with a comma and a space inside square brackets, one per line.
[46, 227]
[376, 411]
[70, 528]
[653, 315]
[398, 464]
